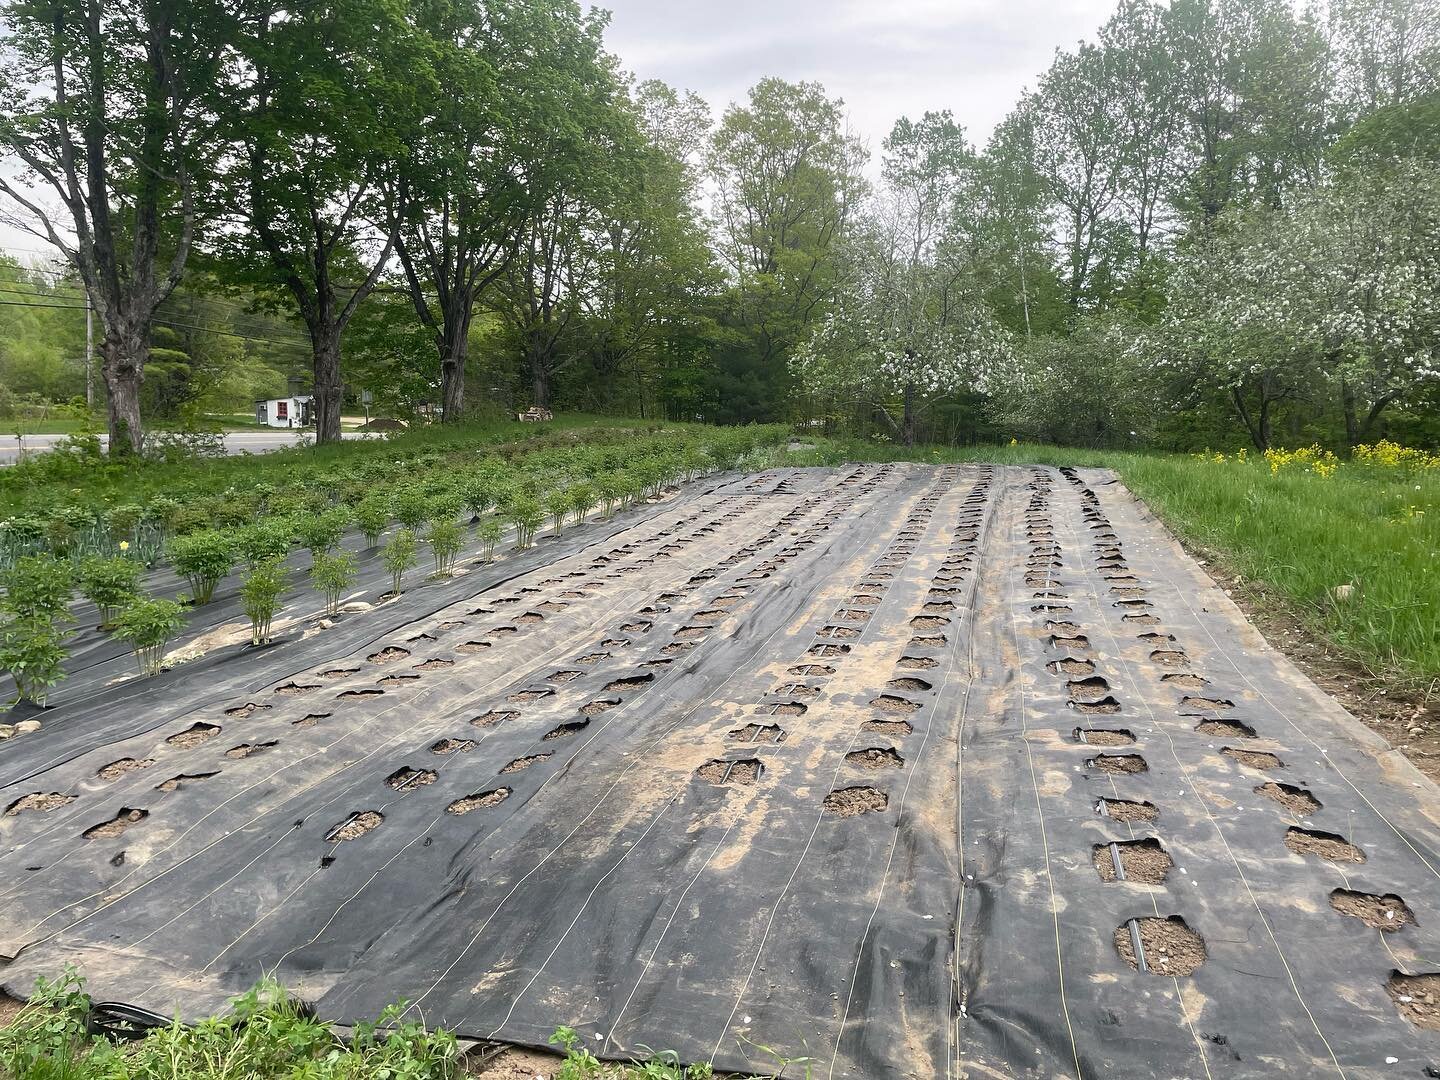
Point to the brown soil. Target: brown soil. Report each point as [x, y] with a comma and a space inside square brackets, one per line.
[1141, 620]
[674, 648]
[1297, 800]
[1185, 680]
[389, 654]
[1170, 947]
[631, 682]
[895, 728]
[1170, 658]
[117, 769]
[918, 663]
[1104, 706]
[1063, 629]
[388, 680]
[1206, 704]
[826, 650]
[479, 801]
[1068, 643]
[839, 633]
[194, 736]
[757, 733]
[452, 746]
[433, 664]
[1118, 763]
[898, 706]
[523, 763]
[1388, 912]
[722, 771]
[929, 622]
[1126, 810]
[1104, 736]
[310, 719]
[852, 614]
[596, 707]
[336, 673]
[803, 691]
[563, 676]
[1226, 728]
[42, 801]
[909, 682]
[565, 730]
[245, 750]
[1417, 997]
[239, 712]
[175, 783]
[294, 689]
[785, 708]
[875, 757]
[850, 801]
[494, 716]
[520, 697]
[1091, 689]
[1256, 759]
[1326, 845]
[406, 778]
[117, 825]
[361, 693]
[1145, 861]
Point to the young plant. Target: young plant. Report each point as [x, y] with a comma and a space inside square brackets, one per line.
[260, 595]
[582, 501]
[149, 625]
[204, 558]
[37, 586]
[398, 556]
[263, 542]
[372, 515]
[610, 488]
[557, 505]
[124, 520]
[527, 516]
[490, 533]
[321, 532]
[331, 573]
[32, 650]
[412, 508]
[109, 584]
[445, 538]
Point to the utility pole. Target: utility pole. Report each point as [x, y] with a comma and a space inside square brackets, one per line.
[89, 356]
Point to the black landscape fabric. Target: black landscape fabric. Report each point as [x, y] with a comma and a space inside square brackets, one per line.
[911, 771]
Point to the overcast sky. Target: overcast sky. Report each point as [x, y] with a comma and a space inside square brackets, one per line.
[886, 58]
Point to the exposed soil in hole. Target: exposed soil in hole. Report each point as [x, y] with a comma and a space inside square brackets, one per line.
[1170, 947]
[599, 705]
[387, 680]
[1104, 706]
[337, 672]
[1256, 759]
[563, 676]
[864, 600]
[663, 662]
[596, 657]
[1128, 810]
[719, 771]
[1204, 704]
[1170, 658]
[479, 801]
[495, 716]
[908, 682]
[521, 763]
[41, 801]
[502, 631]
[1417, 997]
[828, 650]
[1141, 620]
[1118, 763]
[895, 728]
[1068, 643]
[405, 778]
[918, 663]
[784, 708]
[1091, 689]
[1145, 861]
[1232, 729]
[175, 783]
[452, 746]
[771, 733]
[435, 663]
[852, 615]
[1104, 736]
[937, 641]
[938, 606]
[310, 719]
[840, 633]
[422, 636]
[1295, 799]
[194, 735]
[1388, 912]
[1064, 629]
[1186, 680]
[360, 693]
[294, 688]
[522, 696]
[472, 647]
[388, 655]
[688, 633]
[1070, 666]
[889, 703]
[929, 622]
[875, 757]
[1130, 591]
[638, 626]
[802, 691]
[1326, 845]
[674, 648]
[565, 730]
[239, 712]
[117, 769]
[630, 682]
[245, 750]
[850, 801]
[453, 624]
[108, 830]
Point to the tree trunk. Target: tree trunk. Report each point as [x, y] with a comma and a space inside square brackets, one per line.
[1237, 397]
[1352, 425]
[325, 348]
[123, 357]
[539, 375]
[907, 423]
[454, 350]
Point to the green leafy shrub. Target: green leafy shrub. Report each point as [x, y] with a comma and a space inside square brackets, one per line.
[263, 542]
[398, 556]
[557, 505]
[37, 586]
[331, 573]
[527, 516]
[490, 533]
[32, 650]
[610, 488]
[109, 583]
[260, 595]
[149, 625]
[372, 515]
[204, 558]
[411, 508]
[445, 538]
[582, 500]
[124, 519]
[321, 532]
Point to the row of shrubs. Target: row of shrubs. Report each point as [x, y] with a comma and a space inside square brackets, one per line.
[257, 530]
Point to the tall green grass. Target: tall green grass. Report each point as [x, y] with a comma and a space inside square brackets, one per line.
[1294, 534]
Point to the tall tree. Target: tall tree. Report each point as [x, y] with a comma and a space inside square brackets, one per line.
[323, 102]
[99, 101]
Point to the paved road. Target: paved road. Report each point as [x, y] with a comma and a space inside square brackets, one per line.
[236, 442]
